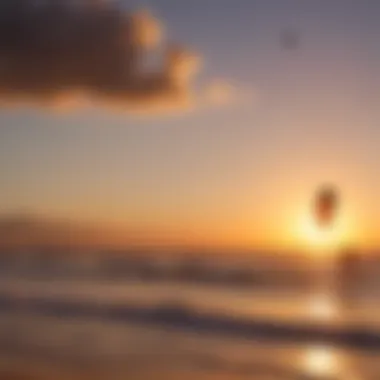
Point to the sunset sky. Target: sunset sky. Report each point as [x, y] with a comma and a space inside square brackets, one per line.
[270, 124]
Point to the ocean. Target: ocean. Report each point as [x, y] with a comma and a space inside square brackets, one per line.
[84, 321]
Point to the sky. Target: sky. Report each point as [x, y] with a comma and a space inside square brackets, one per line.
[239, 171]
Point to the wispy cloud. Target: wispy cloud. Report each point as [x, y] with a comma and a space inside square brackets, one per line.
[220, 92]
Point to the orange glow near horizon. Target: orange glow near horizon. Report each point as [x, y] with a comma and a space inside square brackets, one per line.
[286, 223]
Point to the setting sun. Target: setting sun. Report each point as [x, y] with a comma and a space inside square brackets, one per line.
[317, 237]
[309, 234]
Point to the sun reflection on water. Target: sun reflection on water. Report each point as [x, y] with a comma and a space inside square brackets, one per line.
[321, 362]
[323, 307]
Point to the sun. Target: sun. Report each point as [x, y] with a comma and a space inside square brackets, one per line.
[313, 236]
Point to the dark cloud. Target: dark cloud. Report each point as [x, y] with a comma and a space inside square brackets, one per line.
[34, 231]
[55, 52]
